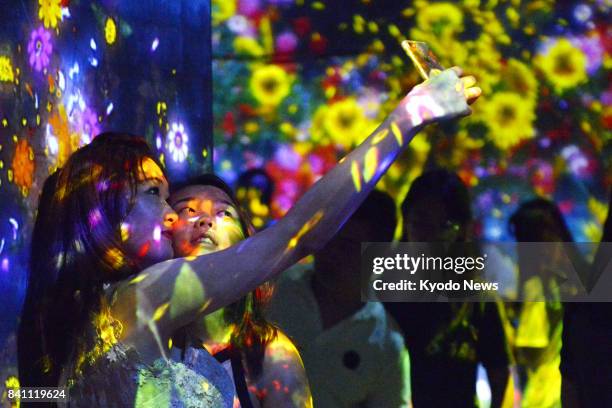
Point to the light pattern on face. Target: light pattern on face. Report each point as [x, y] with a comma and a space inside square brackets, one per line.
[208, 221]
[146, 230]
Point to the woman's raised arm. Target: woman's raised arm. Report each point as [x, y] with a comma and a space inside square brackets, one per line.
[171, 294]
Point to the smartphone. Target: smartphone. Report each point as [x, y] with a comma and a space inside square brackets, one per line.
[422, 57]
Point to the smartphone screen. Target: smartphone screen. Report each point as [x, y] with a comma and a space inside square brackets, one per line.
[422, 57]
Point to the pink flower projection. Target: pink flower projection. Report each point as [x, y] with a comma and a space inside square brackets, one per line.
[40, 48]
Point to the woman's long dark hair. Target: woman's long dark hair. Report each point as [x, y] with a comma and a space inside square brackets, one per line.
[76, 246]
[252, 331]
[540, 220]
[535, 218]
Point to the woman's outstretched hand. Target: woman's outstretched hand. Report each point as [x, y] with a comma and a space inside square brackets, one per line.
[445, 95]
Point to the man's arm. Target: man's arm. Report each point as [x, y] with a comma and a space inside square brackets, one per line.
[283, 379]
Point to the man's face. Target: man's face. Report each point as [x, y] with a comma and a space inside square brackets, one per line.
[207, 221]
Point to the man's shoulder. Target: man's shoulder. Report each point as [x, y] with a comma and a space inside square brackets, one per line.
[385, 332]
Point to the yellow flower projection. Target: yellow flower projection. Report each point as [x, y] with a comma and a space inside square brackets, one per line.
[509, 118]
[520, 79]
[23, 166]
[484, 62]
[270, 84]
[563, 65]
[50, 12]
[6, 69]
[345, 122]
[317, 129]
[248, 46]
[440, 18]
[222, 10]
[110, 31]
[438, 24]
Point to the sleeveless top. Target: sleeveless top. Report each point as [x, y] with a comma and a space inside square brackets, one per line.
[120, 379]
[238, 374]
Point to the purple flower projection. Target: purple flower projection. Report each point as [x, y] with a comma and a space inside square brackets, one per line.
[87, 124]
[40, 48]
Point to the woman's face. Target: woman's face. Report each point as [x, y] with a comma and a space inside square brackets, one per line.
[146, 231]
[208, 221]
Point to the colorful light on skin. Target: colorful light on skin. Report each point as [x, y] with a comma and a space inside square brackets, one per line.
[146, 228]
[208, 221]
[177, 142]
[281, 382]
[307, 227]
[157, 233]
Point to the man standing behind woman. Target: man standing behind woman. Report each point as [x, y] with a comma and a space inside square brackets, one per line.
[353, 352]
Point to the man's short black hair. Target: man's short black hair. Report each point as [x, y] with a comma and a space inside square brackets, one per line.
[444, 186]
[379, 211]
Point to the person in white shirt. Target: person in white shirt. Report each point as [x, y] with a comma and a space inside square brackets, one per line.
[353, 353]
